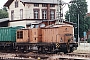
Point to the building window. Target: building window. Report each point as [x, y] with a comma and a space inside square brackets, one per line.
[36, 5]
[36, 14]
[52, 14]
[20, 35]
[52, 5]
[44, 5]
[44, 14]
[16, 4]
[21, 13]
[12, 15]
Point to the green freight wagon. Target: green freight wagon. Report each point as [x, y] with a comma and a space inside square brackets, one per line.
[8, 34]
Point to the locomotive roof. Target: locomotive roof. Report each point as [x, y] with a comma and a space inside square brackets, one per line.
[57, 26]
[34, 23]
[60, 25]
[48, 20]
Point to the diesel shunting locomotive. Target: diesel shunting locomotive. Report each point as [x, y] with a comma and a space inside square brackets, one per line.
[39, 37]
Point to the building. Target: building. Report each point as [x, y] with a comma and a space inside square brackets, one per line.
[23, 12]
[4, 22]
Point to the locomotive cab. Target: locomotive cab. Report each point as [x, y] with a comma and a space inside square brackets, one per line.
[30, 35]
[22, 36]
[35, 34]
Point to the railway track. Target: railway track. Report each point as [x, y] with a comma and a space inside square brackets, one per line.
[36, 56]
[22, 56]
[13, 56]
[70, 56]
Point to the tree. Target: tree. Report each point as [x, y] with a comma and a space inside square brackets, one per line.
[3, 13]
[87, 22]
[77, 7]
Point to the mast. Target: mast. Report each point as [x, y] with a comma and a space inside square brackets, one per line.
[59, 12]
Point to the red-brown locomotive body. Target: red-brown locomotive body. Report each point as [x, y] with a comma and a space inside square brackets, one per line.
[51, 38]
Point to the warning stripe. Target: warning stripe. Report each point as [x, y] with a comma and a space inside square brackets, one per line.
[57, 45]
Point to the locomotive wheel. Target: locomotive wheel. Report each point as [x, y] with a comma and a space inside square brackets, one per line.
[73, 49]
[40, 49]
[68, 48]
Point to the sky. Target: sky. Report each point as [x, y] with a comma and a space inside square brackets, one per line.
[2, 2]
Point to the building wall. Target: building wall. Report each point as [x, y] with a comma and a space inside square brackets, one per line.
[29, 10]
[20, 23]
[16, 10]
